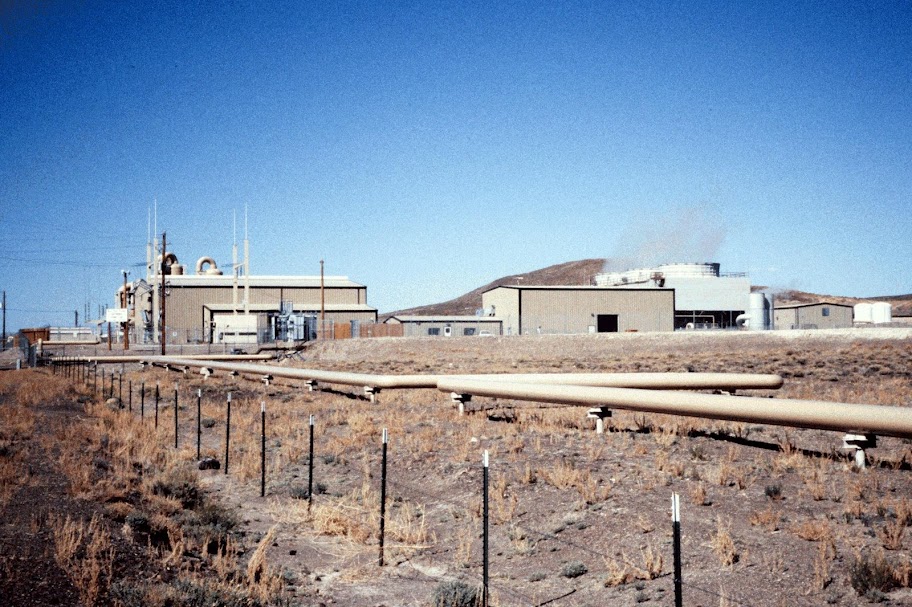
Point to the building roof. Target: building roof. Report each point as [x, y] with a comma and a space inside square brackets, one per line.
[808, 305]
[274, 307]
[196, 280]
[416, 318]
[575, 288]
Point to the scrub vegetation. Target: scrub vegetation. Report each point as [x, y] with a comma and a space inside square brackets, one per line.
[770, 515]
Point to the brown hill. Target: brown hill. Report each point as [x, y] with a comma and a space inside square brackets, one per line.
[568, 273]
[581, 272]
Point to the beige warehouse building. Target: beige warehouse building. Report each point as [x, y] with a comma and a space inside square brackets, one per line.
[823, 315]
[446, 326]
[528, 310]
[209, 307]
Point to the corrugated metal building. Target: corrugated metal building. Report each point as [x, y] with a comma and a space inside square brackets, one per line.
[822, 315]
[529, 309]
[196, 302]
[447, 326]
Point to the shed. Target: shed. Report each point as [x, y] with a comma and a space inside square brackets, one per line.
[821, 315]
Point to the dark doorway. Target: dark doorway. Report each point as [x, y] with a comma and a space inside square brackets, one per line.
[607, 323]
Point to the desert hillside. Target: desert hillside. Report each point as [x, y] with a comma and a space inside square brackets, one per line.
[580, 272]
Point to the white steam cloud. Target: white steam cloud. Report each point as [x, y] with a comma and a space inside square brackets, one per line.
[683, 234]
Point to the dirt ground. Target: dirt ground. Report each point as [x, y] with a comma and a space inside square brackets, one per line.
[770, 515]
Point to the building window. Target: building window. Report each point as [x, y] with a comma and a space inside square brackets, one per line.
[826, 311]
[469, 331]
[434, 331]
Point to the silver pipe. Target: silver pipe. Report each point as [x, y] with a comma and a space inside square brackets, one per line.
[842, 417]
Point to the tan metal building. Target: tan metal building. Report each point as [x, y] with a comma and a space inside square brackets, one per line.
[447, 326]
[822, 315]
[529, 310]
[208, 307]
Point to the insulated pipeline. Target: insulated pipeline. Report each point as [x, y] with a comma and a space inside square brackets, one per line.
[822, 415]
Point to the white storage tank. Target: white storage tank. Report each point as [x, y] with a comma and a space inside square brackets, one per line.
[863, 312]
[758, 312]
[881, 312]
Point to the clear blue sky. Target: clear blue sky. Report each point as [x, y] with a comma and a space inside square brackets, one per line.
[426, 148]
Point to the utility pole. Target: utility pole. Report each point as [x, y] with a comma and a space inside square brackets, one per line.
[3, 347]
[76, 319]
[322, 303]
[126, 324]
[163, 294]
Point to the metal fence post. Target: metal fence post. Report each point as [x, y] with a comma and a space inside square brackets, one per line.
[383, 494]
[175, 415]
[263, 449]
[156, 405]
[310, 466]
[227, 431]
[676, 542]
[199, 426]
[484, 547]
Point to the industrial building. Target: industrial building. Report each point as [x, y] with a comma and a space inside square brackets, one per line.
[447, 326]
[822, 315]
[210, 307]
[529, 310]
[704, 296]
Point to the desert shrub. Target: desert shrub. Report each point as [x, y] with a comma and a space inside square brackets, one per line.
[573, 569]
[870, 574]
[181, 486]
[456, 594]
[774, 492]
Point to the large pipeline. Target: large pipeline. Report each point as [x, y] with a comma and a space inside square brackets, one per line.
[194, 357]
[649, 381]
[822, 415]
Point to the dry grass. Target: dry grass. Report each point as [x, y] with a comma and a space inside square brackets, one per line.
[84, 552]
[723, 544]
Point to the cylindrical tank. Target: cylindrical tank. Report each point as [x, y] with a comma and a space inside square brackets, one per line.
[758, 311]
[881, 312]
[863, 312]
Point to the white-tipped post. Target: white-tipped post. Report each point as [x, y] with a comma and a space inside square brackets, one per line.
[385, 436]
[312, 419]
[199, 392]
[263, 407]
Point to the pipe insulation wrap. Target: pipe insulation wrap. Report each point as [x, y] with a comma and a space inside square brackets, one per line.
[822, 415]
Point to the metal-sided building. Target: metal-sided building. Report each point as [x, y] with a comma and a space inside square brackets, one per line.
[529, 309]
[704, 296]
[209, 307]
[447, 326]
[822, 315]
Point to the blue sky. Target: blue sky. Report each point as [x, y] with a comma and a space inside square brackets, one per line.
[426, 148]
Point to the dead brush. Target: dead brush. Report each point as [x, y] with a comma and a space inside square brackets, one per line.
[768, 518]
[891, 534]
[723, 545]
[818, 530]
[261, 582]
[84, 552]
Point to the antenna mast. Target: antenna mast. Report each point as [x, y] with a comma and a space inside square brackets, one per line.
[246, 265]
[234, 262]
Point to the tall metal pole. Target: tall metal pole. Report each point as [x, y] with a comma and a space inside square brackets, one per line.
[3, 347]
[163, 295]
[322, 302]
[126, 323]
[383, 494]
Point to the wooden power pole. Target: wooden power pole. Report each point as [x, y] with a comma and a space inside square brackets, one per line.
[163, 294]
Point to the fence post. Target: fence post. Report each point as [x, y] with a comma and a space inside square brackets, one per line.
[227, 431]
[263, 449]
[142, 401]
[484, 543]
[199, 426]
[120, 389]
[130, 396]
[95, 379]
[111, 389]
[156, 405]
[102, 383]
[383, 494]
[676, 542]
[310, 466]
[175, 415]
